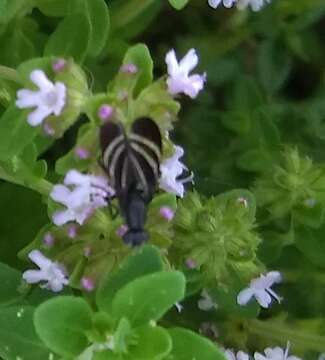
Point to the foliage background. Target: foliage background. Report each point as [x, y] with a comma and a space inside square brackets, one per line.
[265, 95]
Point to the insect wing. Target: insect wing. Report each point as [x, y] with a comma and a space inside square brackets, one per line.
[145, 153]
[112, 142]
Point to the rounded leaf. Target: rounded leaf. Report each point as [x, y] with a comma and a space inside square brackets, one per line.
[62, 322]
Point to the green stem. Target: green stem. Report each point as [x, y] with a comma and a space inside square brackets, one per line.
[281, 333]
[10, 74]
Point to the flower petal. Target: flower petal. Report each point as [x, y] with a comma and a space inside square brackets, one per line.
[39, 259]
[189, 61]
[40, 79]
[214, 3]
[60, 193]
[263, 298]
[171, 61]
[33, 276]
[27, 98]
[244, 296]
[37, 116]
[62, 217]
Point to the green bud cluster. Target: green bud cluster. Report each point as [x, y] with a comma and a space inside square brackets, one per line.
[218, 234]
[294, 185]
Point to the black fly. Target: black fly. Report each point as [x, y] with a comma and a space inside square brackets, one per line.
[131, 163]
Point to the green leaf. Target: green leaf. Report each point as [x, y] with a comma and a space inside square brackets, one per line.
[273, 65]
[152, 343]
[311, 243]
[62, 323]
[188, 345]
[9, 9]
[310, 216]
[149, 297]
[178, 4]
[139, 55]
[20, 220]
[55, 8]
[15, 132]
[10, 280]
[255, 160]
[71, 38]
[18, 339]
[145, 261]
[98, 16]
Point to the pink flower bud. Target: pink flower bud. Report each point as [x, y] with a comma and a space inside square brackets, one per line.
[105, 111]
[48, 240]
[87, 283]
[72, 231]
[129, 68]
[167, 213]
[190, 263]
[48, 129]
[122, 230]
[82, 153]
[59, 65]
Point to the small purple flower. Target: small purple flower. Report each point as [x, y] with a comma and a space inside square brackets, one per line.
[167, 213]
[129, 68]
[82, 153]
[49, 99]
[122, 230]
[171, 169]
[81, 194]
[59, 65]
[179, 80]
[87, 284]
[105, 112]
[48, 240]
[52, 273]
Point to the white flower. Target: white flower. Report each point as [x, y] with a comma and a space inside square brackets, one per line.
[275, 353]
[50, 272]
[260, 288]
[321, 356]
[240, 355]
[81, 194]
[226, 3]
[206, 303]
[179, 80]
[256, 5]
[49, 99]
[171, 169]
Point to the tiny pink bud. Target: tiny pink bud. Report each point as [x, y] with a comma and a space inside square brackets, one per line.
[59, 65]
[72, 231]
[81, 152]
[87, 283]
[48, 129]
[48, 240]
[190, 263]
[122, 230]
[167, 213]
[105, 111]
[87, 251]
[129, 68]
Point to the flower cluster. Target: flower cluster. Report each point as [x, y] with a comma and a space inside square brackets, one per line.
[255, 5]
